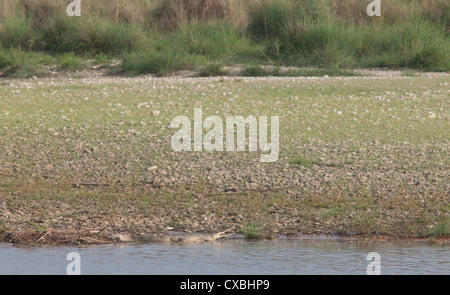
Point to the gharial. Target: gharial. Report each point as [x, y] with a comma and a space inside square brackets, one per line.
[181, 237]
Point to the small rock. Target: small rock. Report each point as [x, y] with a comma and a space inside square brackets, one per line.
[303, 179]
[143, 105]
[153, 168]
[155, 113]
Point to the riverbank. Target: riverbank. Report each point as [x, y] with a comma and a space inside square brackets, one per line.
[362, 156]
[58, 237]
[94, 237]
[165, 36]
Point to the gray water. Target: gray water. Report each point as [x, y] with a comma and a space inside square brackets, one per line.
[232, 257]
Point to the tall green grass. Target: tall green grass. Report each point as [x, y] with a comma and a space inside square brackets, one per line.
[92, 36]
[70, 62]
[17, 63]
[303, 33]
[163, 36]
[195, 45]
[157, 62]
[17, 32]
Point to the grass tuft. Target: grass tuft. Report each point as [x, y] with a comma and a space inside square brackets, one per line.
[308, 163]
[252, 230]
[70, 62]
[16, 63]
[158, 63]
[441, 230]
[211, 70]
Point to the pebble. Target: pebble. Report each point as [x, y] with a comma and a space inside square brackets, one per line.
[153, 168]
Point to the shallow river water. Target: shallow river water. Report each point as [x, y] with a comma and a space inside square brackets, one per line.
[233, 257]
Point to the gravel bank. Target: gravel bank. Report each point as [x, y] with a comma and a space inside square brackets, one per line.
[90, 154]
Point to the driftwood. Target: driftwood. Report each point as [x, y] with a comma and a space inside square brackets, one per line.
[53, 237]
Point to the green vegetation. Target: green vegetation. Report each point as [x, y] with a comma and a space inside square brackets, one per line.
[22, 64]
[212, 69]
[162, 36]
[156, 62]
[252, 230]
[68, 61]
[303, 162]
[441, 230]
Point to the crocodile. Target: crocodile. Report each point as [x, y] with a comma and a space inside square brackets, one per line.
[179, 237]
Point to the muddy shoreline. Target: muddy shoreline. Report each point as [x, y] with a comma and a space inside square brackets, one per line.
[93, 237]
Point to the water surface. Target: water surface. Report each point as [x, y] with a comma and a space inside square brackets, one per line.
[232, 257]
